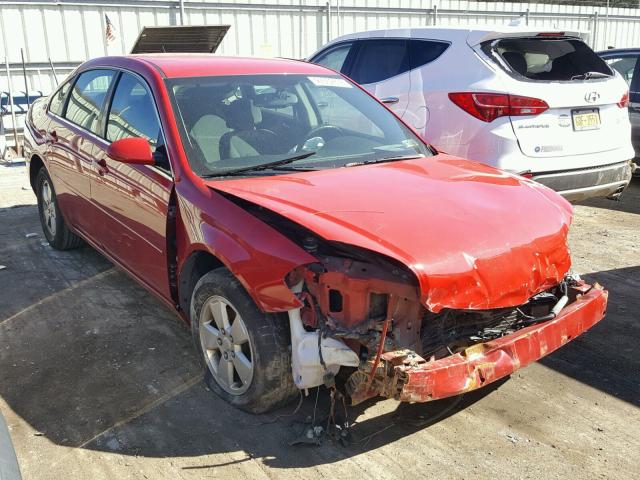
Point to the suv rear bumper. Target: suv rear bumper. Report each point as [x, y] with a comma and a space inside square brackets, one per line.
[407, 377]
[580, 184]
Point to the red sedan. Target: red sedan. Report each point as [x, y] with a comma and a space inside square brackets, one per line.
[306, 234]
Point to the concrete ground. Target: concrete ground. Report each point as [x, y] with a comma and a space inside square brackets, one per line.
[99, 380]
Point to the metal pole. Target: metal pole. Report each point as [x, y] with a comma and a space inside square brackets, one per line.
[606, 26]
[181, 12]
[595, 31]
[13, 113]
[53, 70]
[328, 21]
[435, 14]
[24, 75]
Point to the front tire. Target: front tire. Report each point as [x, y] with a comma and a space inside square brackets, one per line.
[245, 351]
[54, 227]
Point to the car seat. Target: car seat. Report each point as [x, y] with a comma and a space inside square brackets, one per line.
[245, 139]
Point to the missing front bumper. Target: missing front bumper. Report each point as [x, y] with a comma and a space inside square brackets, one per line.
[407, 377]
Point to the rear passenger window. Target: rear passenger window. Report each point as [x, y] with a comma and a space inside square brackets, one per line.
[87, 99]
[378, 60]
[422, 52]
[624, 65]
[334, 58]
[57, 101]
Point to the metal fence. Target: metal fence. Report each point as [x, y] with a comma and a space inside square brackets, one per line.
[67, 32]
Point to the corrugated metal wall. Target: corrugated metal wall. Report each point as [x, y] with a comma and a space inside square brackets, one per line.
[68, 32]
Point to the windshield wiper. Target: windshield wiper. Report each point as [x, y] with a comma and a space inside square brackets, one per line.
[590, 75]
[383, 160]
[263, 166]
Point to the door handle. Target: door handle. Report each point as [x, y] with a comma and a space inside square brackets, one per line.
[103, 169]
[390, 100]
[52, 136]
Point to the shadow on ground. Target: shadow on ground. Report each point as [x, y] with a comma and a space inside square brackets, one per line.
[629, 201]
[606, 356]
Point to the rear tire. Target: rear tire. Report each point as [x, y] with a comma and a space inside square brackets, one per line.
[53, 225]
[245, 351]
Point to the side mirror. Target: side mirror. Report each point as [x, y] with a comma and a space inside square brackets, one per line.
[134, 150]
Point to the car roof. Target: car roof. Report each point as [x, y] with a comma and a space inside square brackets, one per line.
[176, 65]
[472, 34]
[615, 51]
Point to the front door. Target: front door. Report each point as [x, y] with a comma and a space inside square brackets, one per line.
[133, 200]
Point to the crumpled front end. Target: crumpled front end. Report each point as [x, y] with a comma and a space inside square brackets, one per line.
[484, 300]
[410, 353]
[409, 377]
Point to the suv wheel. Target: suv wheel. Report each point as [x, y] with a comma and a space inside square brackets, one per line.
[245, 351]
[53, 225]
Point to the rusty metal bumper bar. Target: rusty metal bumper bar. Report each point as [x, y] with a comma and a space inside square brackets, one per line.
[409, 378]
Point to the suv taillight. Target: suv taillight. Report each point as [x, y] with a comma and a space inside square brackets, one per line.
[624, 101]
[489, 106]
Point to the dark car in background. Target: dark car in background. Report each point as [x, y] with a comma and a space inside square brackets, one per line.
[625, 61]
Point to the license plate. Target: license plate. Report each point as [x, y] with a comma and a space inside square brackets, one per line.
[588, 119]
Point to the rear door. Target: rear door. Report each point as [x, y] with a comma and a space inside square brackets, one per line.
[382, 66]
[75, 122]
[133, 200]
[582, 92]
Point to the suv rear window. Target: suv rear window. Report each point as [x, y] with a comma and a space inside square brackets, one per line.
[547, 59]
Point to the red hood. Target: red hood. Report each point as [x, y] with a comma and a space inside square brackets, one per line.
[475, 237]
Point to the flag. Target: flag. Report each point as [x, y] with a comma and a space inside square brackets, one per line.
[110, 32]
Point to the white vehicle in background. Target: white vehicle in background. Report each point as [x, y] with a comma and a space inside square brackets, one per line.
[538, 103]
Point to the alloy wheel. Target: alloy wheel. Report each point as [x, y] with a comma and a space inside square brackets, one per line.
[226, 345]
[48, 208]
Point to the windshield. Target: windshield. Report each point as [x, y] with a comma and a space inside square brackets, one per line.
[284, 122]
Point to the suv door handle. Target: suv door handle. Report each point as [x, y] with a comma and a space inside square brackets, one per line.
[52, 136]
[390, 100]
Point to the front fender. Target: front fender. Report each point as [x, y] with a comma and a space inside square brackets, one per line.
[258, 255]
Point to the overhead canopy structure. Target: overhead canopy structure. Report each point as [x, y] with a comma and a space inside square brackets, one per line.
[180, 39]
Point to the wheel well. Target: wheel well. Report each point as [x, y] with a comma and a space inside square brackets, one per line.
[194, 268]
[34, 167]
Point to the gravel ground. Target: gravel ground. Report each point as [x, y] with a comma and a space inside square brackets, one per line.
[98, 380]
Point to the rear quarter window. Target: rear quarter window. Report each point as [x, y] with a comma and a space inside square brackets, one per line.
[422, 52]
[546, 59]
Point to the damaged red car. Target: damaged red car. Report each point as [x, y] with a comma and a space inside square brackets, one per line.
[306, 234]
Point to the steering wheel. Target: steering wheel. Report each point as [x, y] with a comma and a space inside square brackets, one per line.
[327, 132]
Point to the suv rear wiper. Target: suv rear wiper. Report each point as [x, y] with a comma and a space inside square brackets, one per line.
[590, 75]
[263, 166]
[383, 160]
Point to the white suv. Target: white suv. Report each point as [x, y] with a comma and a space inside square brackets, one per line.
[538, 103]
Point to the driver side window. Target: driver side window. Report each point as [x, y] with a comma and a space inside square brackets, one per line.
[133, 114]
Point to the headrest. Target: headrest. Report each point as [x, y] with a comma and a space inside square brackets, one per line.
[243, 115]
